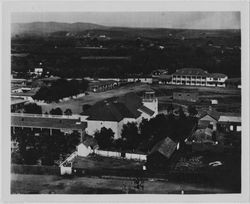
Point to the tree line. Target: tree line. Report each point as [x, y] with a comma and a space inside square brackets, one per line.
[45, 147]
[61, 89]
[148, 133]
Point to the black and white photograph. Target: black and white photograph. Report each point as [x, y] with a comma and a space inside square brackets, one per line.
[127, 101]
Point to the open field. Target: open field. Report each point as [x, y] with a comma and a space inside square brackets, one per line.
[76, 104]
[163, 92]
[45, 184]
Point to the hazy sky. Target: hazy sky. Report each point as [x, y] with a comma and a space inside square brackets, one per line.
[195, 20]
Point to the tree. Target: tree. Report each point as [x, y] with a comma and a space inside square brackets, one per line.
[72, 141]
[68, 112]
[170, 109]
[32, 108]
[104, 138]
[56, 111]
[130, 135]
[192, 111]
[181, 113]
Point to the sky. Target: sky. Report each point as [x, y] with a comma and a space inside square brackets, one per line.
[185, 20]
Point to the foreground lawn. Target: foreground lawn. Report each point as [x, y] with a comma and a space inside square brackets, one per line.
[47, 184]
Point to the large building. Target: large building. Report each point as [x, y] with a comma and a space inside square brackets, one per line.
[38, 122]
[115, 112]
[198, 77]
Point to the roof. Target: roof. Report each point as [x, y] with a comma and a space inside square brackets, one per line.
[217, 75]
[32, 92]
[191, 71]
[18, 80]
[206, 131]
[214, 114]
[17, 100]
[27, 120]
[164, 77]
[115, 109]
[234, 119]
[166, 147]
[89, 141]
[55, 78]
[146, 110]
[233, 80]
[101, 83]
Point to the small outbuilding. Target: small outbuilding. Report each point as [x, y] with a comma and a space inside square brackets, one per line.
[161, 154]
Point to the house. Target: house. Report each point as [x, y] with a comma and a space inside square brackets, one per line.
[98, 86]
[161, 154]
[229, 123]
[233, 83]
[203, 135]
[113, 113]
[38, 71]
[209, 118]
[159, 72]
[17, 104]
[186, 96]
[28, 95]
[162, 79]
[18, 82]
[141, 79]
[198, 77]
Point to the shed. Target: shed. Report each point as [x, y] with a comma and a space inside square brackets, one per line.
[161, 154]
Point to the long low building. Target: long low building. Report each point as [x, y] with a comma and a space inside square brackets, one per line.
[198, 77]
[65, 124]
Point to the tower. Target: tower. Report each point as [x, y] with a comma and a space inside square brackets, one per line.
[150, 101]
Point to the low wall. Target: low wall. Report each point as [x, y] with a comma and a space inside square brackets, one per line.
[132, 156]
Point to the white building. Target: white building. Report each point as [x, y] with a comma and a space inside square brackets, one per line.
[115, 112]
[38, 71]
[198, 77]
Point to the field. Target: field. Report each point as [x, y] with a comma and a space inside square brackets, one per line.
[76, 104]
[229, 99]
[47, 184]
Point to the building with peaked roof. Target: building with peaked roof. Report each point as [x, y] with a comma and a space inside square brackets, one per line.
[209, 118]
[161, 153]
[229, 123]
[115, 112]
[198, 77]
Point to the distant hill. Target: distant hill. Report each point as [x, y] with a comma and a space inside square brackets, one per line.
[41, 28]
[56, 28]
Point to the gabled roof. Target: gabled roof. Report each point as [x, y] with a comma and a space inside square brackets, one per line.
[191, 71]
[89, 141]
[166, 147]
[115, 109]
[217, 75]
[214, 114]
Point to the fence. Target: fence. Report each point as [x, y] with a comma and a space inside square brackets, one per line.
[132, 156]
[108, 153]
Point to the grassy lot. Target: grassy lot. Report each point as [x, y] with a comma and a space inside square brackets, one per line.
[99, 162]
[45, 184]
